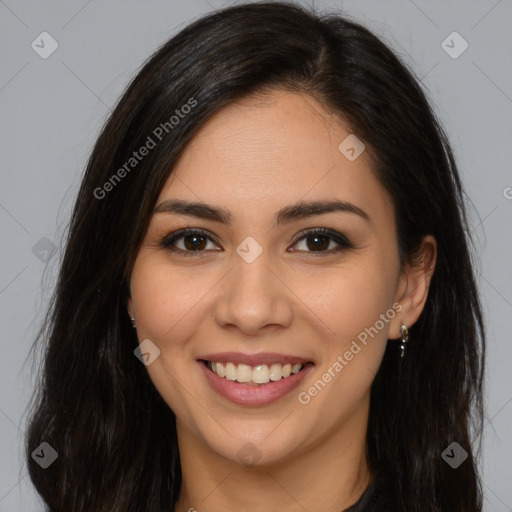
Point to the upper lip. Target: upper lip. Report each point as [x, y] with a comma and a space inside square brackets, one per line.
[253, 359]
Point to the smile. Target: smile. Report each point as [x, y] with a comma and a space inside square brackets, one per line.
[254, 375]
[254, 380]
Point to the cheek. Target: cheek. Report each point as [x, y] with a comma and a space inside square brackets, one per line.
[166, 304]
[165, 300]
[357, 307]
[348, 301]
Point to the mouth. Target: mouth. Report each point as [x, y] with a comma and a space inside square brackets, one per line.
[258, 375]
[254, 380]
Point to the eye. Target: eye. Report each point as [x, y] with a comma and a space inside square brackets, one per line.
[195, 241]
[321, 238]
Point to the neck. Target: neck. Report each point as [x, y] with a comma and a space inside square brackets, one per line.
[329, 477]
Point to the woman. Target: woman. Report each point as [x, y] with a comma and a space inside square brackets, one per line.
[267, 300]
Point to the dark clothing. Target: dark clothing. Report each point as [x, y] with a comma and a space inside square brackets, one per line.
[378, 497]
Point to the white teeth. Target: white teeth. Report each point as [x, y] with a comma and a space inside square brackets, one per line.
[260, 374]
[275, 372]
[296, 368]
[230, 371]
[220, 370]
[243, 373]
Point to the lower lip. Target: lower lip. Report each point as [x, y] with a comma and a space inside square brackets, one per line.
[253, 395]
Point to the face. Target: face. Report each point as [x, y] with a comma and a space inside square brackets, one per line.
[299, 302]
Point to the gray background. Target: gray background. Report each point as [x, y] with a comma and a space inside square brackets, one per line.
[52, 110]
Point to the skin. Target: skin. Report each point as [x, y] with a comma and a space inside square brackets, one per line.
[254, 157]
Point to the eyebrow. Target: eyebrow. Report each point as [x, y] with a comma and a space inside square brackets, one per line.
[286, 215]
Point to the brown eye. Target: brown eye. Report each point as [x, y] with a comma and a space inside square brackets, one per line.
[319, 240]
[194, 241]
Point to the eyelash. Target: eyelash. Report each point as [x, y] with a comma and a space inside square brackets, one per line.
[343, 242]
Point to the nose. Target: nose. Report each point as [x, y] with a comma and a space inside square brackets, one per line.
[253, 297]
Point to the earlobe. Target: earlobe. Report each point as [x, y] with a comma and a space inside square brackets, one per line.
[131, 312]
[413, 288]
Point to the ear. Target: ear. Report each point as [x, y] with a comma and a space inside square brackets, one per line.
[413, 286]
[130, 307]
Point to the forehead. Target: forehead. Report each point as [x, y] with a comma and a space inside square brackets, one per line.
[263, 152]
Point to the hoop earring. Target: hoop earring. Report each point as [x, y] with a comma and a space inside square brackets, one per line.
[404, 338]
